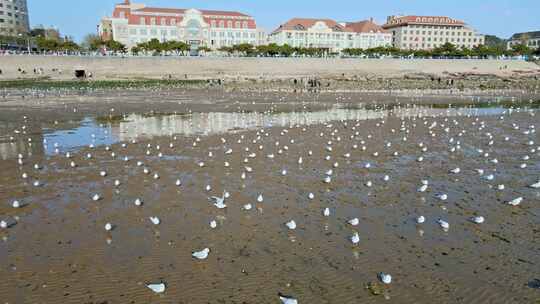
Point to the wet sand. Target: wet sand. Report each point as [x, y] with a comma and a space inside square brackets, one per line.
[58, 250]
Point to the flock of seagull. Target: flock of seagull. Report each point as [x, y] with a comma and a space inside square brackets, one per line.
[332, 138]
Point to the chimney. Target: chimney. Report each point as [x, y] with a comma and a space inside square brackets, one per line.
[371, 19]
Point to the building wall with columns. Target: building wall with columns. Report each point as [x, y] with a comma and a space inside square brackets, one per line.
[133, 23]
[429, 32]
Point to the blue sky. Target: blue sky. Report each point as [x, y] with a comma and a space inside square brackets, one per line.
[498, 17]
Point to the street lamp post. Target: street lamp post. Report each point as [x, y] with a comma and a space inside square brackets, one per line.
[27, 43]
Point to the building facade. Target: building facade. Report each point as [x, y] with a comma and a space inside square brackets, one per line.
[429, 32]
[530, 39]
[133, 23]
[329, 34]
[369, 35]
[14, 17]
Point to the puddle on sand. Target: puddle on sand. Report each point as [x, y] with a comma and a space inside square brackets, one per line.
[135, 126]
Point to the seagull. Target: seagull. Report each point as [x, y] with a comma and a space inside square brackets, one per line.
[213, 224]
[155, 220]
[354, 222]
[291, 225]
[16, 204]
[515, 201]
[260, 198]
[157, 288]
[201, 255]
[287, 300]
[444, 225]
[219, 202]
[327, 179]
[96, 197]
[423, 188]
[108, 226]
[535, 185]
[326, 212]
[3, 224]
[420, 220]
[385, 278]
[311, 196]
[442, 196]
[478, 219]
[248, 207]
[455, 171]
[355, 238]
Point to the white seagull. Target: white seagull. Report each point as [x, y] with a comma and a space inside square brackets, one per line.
[201, 255]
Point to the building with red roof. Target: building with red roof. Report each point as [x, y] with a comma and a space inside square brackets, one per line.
[329, 34]
[428, 32]
[133, 23]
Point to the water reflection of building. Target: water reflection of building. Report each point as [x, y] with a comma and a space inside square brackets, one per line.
[137, 126]
[133, 23]
[20, 145]
[215, 123]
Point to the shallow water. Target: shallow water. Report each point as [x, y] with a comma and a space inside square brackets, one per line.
[134, 126]
[58, 251]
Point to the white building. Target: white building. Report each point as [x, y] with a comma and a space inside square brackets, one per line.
[329, 34]
[369, 35]
[428, 32]
[530, 39]
[133, 23]
[14, 17]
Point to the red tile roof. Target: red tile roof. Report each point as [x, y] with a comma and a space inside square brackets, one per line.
[366, 26]
[182, 11]
[302, 24]
[429, 20]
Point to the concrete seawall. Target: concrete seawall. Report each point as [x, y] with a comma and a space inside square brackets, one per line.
[266, 68]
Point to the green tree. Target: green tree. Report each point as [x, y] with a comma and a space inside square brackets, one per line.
[92, 42]
[521, 49]
[69, 46]
[115, 46]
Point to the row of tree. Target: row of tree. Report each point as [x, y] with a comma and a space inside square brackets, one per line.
[446, 50]
[156, 47]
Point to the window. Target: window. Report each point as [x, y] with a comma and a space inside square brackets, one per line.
[153, 21]
[229, 24]
[133, 32]
[143, 32]
[122, 14]
[221, 23]
[153, 32]
[163, 21]
[245, 24]
[143, 21]
[173, 22]
[213, 23]
[237, 24]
